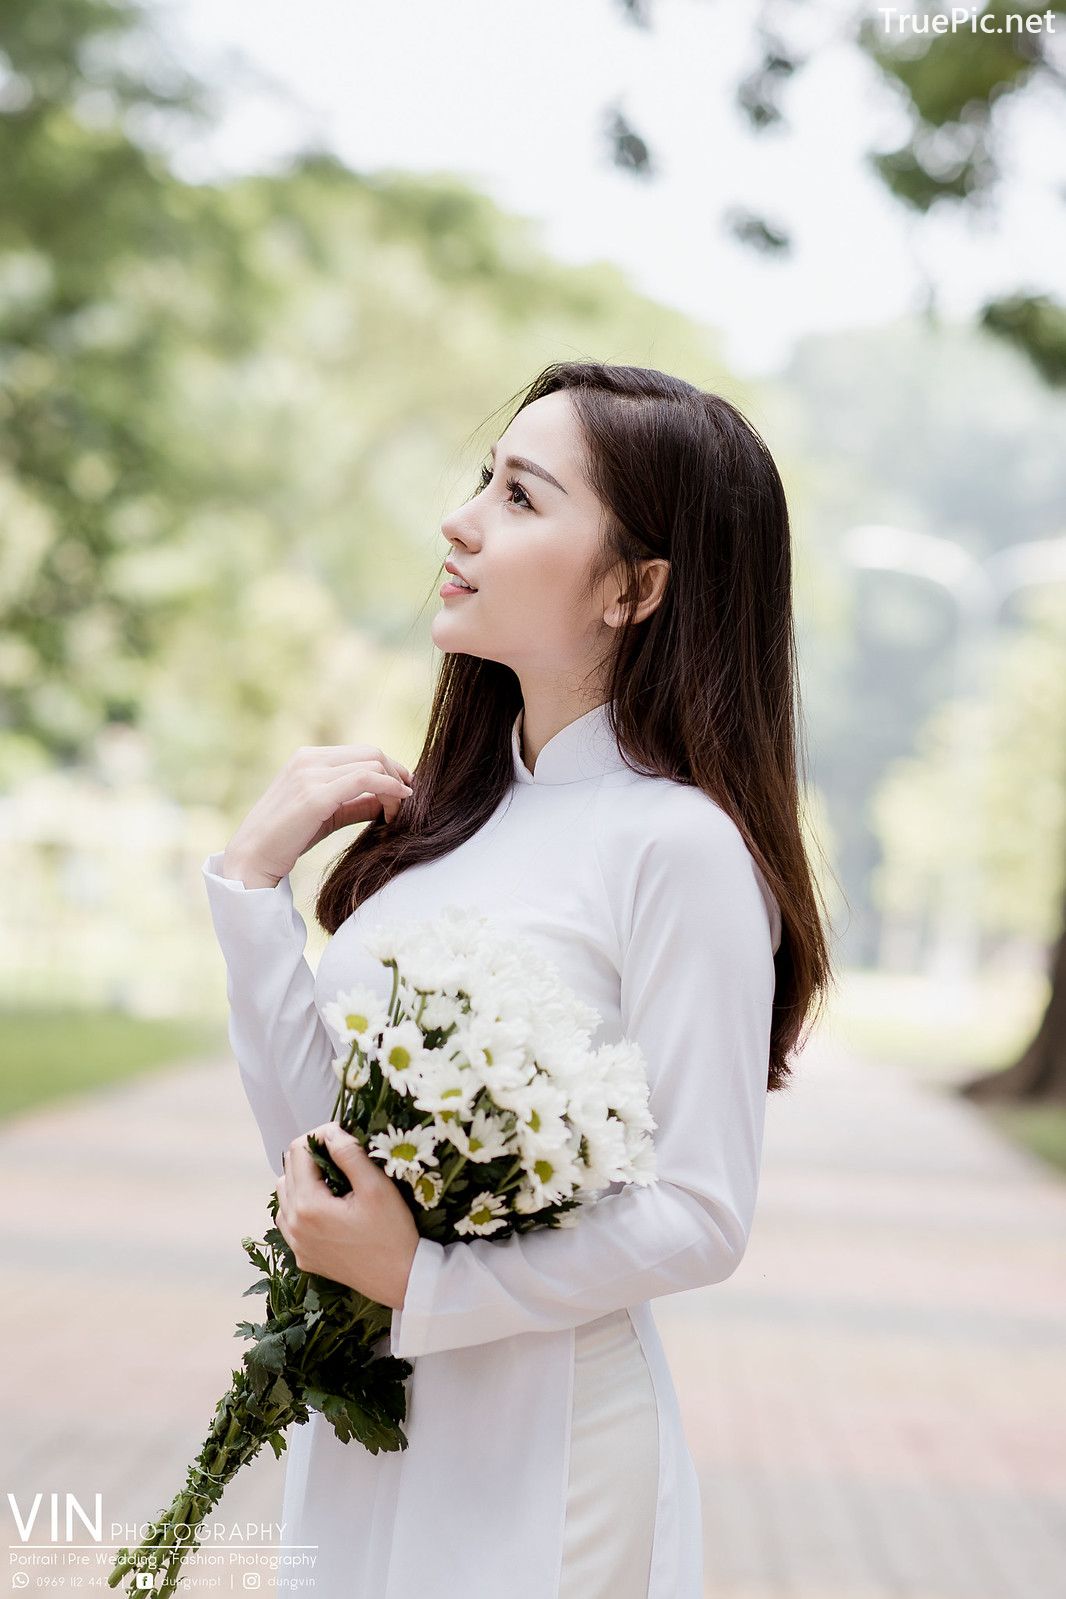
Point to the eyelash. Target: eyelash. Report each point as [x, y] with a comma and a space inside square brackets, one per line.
[512, 484]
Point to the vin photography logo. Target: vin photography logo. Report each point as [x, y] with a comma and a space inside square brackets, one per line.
[59, 1544]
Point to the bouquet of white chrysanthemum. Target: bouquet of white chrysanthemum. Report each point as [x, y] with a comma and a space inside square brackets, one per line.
[476, 1086]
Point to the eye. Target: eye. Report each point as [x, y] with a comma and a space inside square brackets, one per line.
[513, 486]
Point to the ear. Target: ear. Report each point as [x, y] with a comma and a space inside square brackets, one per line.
[651, 584]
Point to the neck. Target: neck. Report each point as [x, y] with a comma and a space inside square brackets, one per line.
[544, 714]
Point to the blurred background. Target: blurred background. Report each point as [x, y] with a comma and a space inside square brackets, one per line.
[268, 276]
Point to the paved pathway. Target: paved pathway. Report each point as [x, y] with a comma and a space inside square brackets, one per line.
[875, 1400]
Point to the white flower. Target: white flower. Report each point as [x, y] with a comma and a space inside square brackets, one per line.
[541, 1109]
[526, 1198]
[352, 1073]
[487, 1212]
[383, 941]
[514, 1073]
[426, 1188]
[644, 1164]
[586, 1105]
[358, 1073]
[565, 1057]
[495, 1049]
[405, 1151]
[419, 953]
[439, 1012]
[447, 1090]
[625, 1072]
[554, 1174]
[608, 1155]
[485, 1139]
[401, 1054]
[356, 1013]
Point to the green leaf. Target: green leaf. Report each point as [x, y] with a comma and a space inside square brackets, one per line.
[281, 1393]
[268, 1354]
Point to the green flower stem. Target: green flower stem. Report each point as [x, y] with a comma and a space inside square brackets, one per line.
[235, 1438]
[460, 1163]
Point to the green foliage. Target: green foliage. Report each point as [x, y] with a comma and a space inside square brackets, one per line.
[230, 420]
[313, 1351]
[959, 74]
[1037, 324]
[953, 86]
[107, 268]
[1010, 826]
[934, 428]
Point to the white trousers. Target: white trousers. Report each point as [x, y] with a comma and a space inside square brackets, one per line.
[614, 1465]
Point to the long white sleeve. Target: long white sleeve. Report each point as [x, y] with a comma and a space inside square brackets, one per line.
[283, 1050]
[697, 979]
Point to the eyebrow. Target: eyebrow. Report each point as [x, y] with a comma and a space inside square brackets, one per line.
[521, 464]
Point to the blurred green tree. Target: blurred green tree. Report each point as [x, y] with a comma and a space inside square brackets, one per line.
[107, 267]
[226, 408]
[951, 85]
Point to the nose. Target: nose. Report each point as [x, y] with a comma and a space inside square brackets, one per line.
[458, 528]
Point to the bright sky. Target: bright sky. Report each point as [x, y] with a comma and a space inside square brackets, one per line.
[511, 94]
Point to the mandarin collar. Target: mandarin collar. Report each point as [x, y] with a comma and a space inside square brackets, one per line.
[583, 749]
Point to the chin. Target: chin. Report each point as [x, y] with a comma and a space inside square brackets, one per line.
[442, 638]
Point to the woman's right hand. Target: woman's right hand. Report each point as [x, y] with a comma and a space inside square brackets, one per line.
[319, 789]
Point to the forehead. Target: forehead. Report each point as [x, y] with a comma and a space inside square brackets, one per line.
[547, 431]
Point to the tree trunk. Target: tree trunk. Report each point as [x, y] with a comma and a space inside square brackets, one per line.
[1039, 1073]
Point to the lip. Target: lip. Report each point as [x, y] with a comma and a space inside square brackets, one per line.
[450, 566]
[448, 589]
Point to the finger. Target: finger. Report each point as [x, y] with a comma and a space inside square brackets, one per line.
[341, 754]
[385, 798]
[358, 754]
[303, 1169]
[342, 1143]
[350, 783]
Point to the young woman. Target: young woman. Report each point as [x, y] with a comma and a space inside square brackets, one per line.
[609, 770]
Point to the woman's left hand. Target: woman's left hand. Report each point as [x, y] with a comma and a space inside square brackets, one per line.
[365, 1239]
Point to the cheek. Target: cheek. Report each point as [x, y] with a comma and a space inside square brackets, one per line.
[546, 595]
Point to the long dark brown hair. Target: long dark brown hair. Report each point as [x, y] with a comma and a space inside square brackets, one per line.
[704, 690]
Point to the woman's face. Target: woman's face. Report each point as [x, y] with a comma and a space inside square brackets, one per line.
[527, 544]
